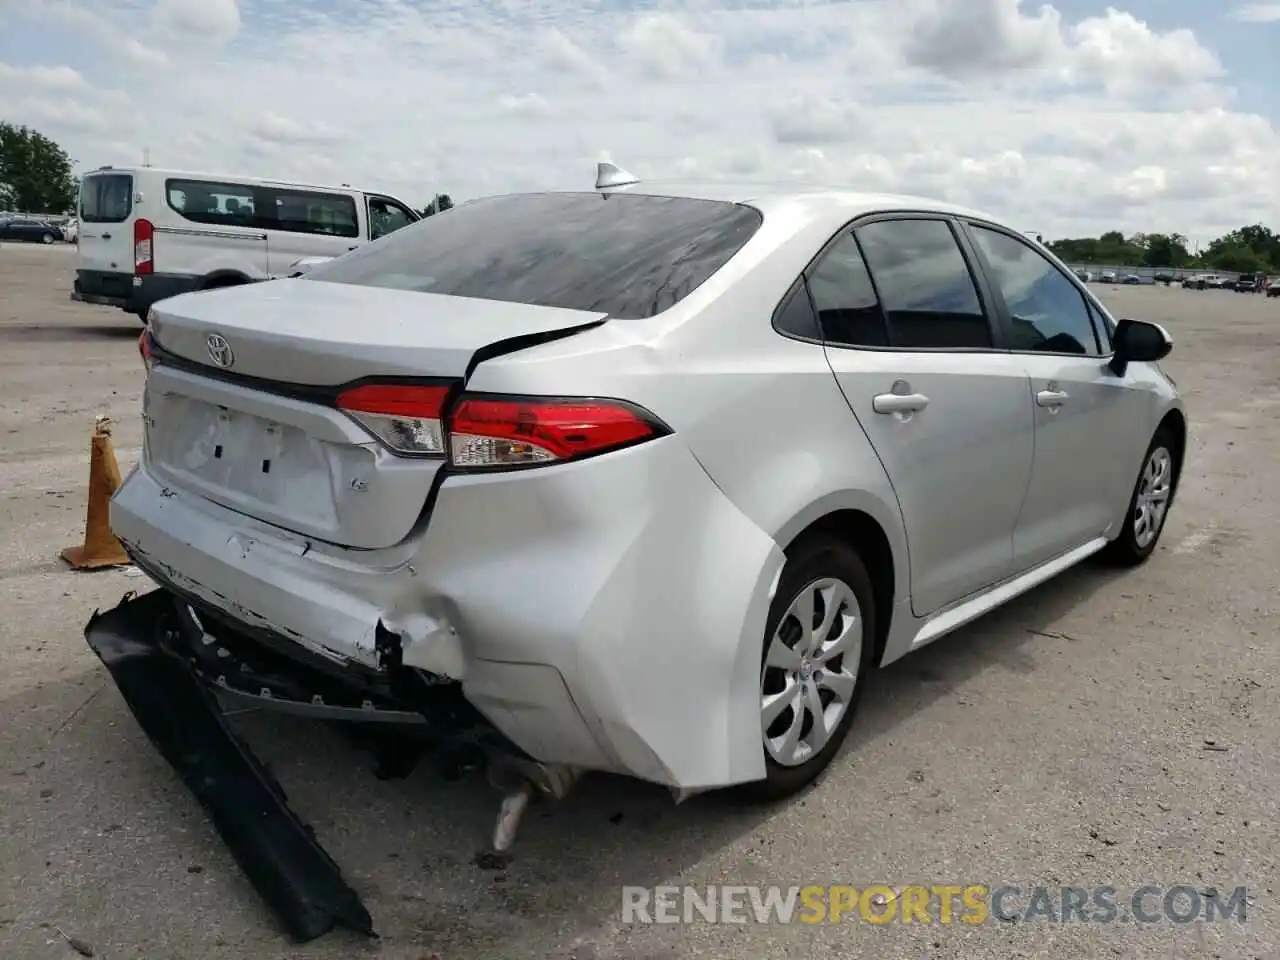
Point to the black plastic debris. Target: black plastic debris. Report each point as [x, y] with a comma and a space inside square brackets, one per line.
[183, 719]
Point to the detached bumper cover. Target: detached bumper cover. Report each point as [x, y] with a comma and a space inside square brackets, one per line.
[181, 716]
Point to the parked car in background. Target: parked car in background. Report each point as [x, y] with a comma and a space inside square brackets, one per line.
[1108, 276]
[147, 233]
[1247, 282]
[1085, 276]
[1131, 279]
[1208, 281]
[29, 230]
[71, 231]
[335, 466]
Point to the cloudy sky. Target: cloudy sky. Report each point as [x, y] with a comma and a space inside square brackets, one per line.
[1072, 118]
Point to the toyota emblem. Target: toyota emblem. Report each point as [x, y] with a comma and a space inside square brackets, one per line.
[219, 350]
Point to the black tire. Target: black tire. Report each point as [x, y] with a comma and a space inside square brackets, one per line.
[815, 559]
[1125, 550]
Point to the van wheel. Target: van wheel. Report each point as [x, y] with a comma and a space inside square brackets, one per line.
[217, 283]
[819, 648]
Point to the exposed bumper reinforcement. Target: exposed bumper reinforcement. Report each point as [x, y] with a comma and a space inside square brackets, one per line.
[181, 716]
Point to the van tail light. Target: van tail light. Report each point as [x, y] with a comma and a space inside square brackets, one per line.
[143, 248]
[408, 418]
[496, 432]
[484, 432]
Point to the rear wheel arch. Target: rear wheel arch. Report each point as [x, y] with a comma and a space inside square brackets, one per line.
[865, 534]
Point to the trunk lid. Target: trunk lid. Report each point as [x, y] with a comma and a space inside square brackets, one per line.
[308, 332]
[258, 433]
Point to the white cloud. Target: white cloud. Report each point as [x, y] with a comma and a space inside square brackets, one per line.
[1065, 125]
[665, 47]
[1258, 13]
[197, 21]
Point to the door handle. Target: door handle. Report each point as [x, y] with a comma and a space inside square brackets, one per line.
[899, 402]
[1051, 398]
[106, 236]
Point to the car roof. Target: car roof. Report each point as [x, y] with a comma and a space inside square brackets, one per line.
[817, 201]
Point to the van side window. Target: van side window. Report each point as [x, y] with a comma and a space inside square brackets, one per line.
[265, 208]
[217, 204]
[300, 211]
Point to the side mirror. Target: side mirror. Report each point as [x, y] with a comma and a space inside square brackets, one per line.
[1139, 341]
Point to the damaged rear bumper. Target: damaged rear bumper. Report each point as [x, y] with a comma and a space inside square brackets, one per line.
[176, 661]
[139, 641]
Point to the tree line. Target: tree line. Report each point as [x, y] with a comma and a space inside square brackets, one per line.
[1251, 249]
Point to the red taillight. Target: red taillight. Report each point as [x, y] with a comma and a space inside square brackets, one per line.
[479, 432]
[512, 432]
[143, 254]
[408, 418]
[144, 349]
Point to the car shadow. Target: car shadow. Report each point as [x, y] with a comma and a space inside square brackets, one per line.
[126, 329]
[410, 847]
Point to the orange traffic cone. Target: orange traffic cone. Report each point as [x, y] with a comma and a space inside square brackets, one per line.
[100, 548]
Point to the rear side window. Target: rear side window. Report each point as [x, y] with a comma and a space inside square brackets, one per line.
[106, 198]
[328, 214]
[627, 255]
[266, 208]
[925, 287]
[845, 299]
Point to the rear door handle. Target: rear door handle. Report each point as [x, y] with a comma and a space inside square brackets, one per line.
[1051, 398]
[899, 402]
[106, 236]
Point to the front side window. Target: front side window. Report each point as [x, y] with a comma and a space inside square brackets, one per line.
[628, 255]
[387, 216]
[1048, 311]
[926, 289]
[106, 198]
[848, 310]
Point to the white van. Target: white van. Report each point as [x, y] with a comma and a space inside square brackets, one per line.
[147, 234]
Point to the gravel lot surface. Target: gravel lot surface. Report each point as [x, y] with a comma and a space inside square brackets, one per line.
[1104, 730]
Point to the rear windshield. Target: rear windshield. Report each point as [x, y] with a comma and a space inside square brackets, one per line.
[626, 255]
[106, 198]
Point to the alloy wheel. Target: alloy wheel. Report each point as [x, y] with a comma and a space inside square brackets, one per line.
[810, 671]
[1153, 497]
